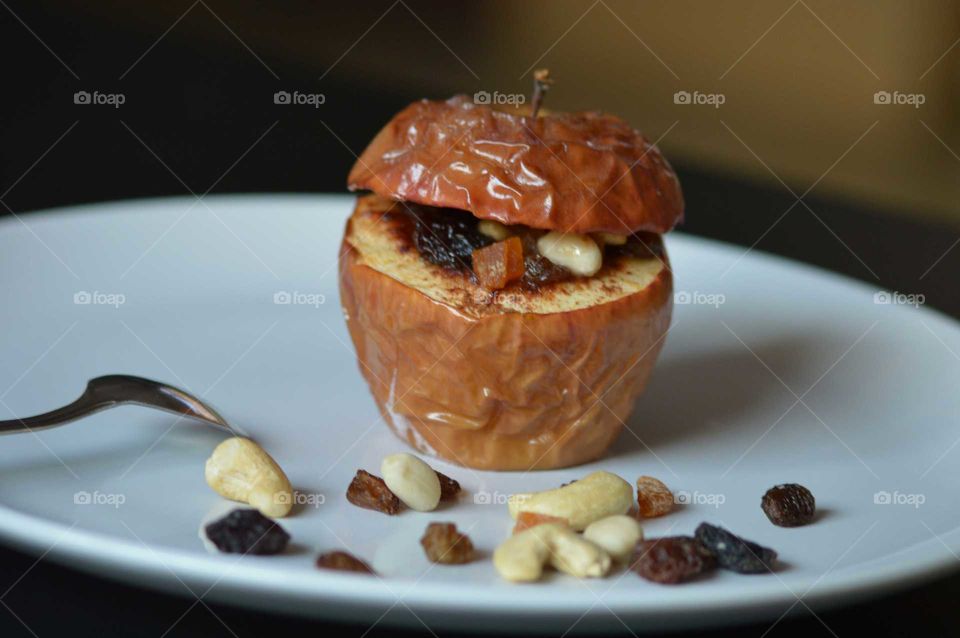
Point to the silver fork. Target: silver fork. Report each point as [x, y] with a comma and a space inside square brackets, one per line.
[110, 391]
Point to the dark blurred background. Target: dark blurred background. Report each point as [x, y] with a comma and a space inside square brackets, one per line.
[797, 80]
[199, 77]
[837, 142]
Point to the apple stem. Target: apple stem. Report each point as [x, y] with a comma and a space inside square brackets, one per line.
[541, 84]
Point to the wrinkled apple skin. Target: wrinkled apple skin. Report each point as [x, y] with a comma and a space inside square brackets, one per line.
[505, 390]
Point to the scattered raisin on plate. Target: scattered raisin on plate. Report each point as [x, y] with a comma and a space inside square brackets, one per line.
[247, 531]
[789, 505]
[444, 544]
[735, 553]
[653, 497]
[671, 559]
[449, 488]
[344, 562]
[371, 492]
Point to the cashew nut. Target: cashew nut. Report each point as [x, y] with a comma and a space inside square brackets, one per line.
[413, 481]
[578, 253]
[618, 535]
[241, 470]
[582, 502]
[493, 229]
[521, 557]
[611, 239]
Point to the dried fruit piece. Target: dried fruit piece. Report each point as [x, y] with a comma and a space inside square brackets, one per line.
[497, 265]
[735, 553]
[449, 488]
[671, 559]
[653, 497]
[247, 531]
[526, 520]
[344, 562]
[444, 236]
[372, 493]
[789, 505]
[444, 544]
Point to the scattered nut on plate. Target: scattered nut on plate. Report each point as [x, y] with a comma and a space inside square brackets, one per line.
[413, 481]
[241, 470]
[581, 502]
[617, 535]
[522, 557]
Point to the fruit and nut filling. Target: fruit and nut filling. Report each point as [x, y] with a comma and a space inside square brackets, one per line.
[496, 256]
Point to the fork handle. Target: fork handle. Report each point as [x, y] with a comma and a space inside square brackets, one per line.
[118, 389]
[76, 410]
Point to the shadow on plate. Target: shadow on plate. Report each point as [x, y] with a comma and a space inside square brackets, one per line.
[704, 393]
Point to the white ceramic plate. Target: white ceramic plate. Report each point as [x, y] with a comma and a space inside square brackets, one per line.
[774, 372]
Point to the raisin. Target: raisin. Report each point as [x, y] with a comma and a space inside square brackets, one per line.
[526, 520]
[446, 237]
[444, 544]
[789, 505]
[449, 488]
[342, 561]
[735, 553]
[538, 270]
[370, 492]
[247, 531]
[671, 559]
[653, 497]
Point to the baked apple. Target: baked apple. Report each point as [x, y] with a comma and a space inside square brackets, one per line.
[505, 283]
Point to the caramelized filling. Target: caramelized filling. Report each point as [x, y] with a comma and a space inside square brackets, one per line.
[448, 237]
